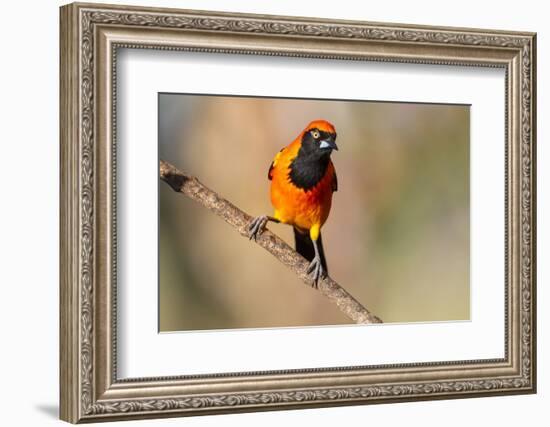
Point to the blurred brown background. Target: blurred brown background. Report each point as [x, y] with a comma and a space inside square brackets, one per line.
[397, 237]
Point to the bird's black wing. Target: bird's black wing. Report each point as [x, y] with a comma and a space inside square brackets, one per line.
[335, 182]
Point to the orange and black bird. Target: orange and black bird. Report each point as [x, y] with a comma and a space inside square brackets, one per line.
[303, 179]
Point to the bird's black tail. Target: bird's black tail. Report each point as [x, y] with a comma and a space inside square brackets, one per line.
[304, 246]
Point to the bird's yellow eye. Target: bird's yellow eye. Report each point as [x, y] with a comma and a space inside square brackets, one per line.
[315, 133]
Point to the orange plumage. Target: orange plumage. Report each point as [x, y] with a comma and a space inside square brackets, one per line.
[302, 182]
[302, 208]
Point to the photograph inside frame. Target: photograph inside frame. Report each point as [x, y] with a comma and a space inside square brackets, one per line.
[376, 194]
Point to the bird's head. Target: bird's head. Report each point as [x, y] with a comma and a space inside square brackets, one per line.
[319, 137]
[309, 166]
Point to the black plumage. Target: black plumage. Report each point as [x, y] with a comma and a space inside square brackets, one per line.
[310, 165]
[304, 246]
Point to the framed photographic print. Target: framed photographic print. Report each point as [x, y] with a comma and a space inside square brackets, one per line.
[265, 212]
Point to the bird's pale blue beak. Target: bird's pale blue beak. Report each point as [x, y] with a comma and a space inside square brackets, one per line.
[328, 143]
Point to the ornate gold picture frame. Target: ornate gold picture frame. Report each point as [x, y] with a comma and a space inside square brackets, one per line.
[91, 34]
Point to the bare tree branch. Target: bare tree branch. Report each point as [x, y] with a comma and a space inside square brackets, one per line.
[193, 188]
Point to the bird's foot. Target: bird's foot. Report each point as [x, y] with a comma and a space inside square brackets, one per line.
[257, 226]
[316, 271]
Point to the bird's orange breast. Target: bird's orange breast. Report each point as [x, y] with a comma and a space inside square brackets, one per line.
[294, 205]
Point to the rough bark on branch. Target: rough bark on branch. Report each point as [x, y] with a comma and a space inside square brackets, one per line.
[194, 189]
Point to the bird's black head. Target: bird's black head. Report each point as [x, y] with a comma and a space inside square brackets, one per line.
[310, 165]
[318, 143]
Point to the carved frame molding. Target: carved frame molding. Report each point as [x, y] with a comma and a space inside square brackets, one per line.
[90, 37]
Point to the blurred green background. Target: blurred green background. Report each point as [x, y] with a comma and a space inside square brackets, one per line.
[397, 238]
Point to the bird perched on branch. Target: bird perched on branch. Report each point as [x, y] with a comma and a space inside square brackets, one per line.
[303, 179]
